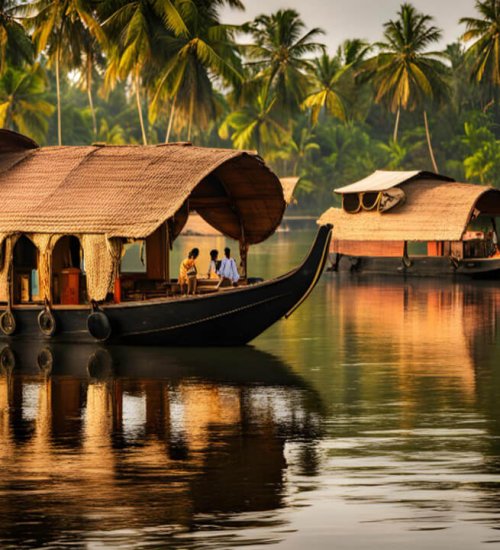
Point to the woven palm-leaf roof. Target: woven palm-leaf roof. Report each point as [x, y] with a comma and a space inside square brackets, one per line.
[129, 191]
[289, 184]
[434, 211]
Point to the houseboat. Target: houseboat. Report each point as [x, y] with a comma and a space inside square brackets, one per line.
[69, 214]
[416, 224]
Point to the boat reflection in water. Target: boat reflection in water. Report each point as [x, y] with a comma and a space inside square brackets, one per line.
[128, 446]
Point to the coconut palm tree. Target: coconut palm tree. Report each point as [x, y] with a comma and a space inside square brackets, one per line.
[89, 60]
[255, 125]
[357, 91]
[326, 74]
[334, 82]
[353, 52]
[22, 104]
[406, 74]
[15, 44]
[132, 28]
[484, 33]
[59, 28]
[297, 150]
[279, 53]
[193, 56]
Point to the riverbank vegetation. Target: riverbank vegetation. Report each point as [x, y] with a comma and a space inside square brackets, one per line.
[154, 71]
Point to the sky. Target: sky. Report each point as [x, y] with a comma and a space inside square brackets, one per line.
[341, 19]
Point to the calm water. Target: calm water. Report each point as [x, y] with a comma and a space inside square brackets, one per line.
[369, 419]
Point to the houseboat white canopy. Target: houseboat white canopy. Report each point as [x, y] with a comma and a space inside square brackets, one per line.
[382, 180]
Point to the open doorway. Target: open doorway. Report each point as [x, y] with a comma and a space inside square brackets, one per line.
[68, 286]
[25, 271]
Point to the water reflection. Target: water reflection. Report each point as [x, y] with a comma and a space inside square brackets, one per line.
[127, 446]
[373, 423]
[409, 375]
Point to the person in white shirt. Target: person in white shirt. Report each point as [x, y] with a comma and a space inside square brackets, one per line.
[228, 270]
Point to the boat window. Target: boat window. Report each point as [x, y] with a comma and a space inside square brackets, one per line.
[351, 202]
[68, 271]
[25, 263]
[134, 258]
[481, 238]
[481, 223]
[417, 248]
[370, 200]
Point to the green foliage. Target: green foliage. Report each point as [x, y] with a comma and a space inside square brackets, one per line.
[326, 117]
[483, 161]
[484, 33]
[22, 104]
[278, 57]
[254, 126]
[406, 73]
[15, 44]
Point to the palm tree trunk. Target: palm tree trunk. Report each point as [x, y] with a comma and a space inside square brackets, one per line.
[58, 94]
[171, 119]
[191, 112]
[89, 92]
[139, 107]
[429, 144]
[396, 126]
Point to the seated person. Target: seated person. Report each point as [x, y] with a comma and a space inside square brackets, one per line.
[228, 272]
[188, 273]
[214, 265]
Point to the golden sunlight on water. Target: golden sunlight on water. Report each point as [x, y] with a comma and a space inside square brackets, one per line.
[368, 419]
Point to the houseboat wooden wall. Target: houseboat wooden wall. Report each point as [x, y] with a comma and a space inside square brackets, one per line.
[157, 255]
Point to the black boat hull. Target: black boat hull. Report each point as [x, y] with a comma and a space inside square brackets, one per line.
[418, 266]
[226, 318]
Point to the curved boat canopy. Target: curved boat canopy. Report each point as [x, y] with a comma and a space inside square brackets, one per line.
[105, 195]
[435, 208]
[129, 191]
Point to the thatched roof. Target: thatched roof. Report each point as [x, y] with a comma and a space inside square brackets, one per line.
[289, 184]
[129, 191]
[434, 211]
[381, 180]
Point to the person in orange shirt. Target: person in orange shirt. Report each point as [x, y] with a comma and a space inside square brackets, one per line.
[188, 273]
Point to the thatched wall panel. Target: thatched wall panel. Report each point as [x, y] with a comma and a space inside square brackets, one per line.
[10, 241]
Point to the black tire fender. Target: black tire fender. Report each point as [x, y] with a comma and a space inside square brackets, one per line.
[47, 322]
[99, 326]
[8, 323]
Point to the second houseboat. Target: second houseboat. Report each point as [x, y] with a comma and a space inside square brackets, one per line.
[416, 224]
